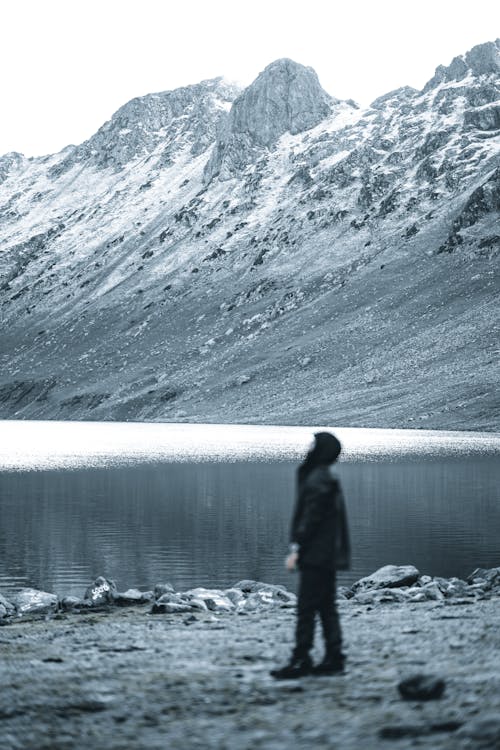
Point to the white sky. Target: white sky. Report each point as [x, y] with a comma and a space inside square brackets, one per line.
[67, 65]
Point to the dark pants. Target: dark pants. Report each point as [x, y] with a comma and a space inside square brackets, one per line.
[317, 596]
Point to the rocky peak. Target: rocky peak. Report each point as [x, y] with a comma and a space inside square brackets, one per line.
[171, 119]
[480, 60]
[156, 111]
[285, 97]
[484, 58]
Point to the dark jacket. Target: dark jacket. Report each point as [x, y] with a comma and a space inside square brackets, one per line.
[319, 524]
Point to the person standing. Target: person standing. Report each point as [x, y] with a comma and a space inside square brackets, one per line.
[319, 547]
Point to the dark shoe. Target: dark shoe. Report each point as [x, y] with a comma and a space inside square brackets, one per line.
[298, 667]
[330, 665]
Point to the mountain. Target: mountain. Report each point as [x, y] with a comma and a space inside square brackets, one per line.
[272, 254]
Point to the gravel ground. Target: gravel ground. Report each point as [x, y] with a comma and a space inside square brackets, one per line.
[130, 679]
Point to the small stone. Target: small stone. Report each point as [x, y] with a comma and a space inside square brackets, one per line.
[287, 599]
[170, 598]
[344, 592]
[199, 604]
[398, 731]
[490, 575]
[271, 594]
[275, 588]
[452, 586]
[170, 608]
[480, 581]
[213, 598]
[266, 599]
[247, 586]
[419, 597]
[6, 607]
[74, 602]
[132, 596]
[380, 596]
[242, 379]
[450, 725]
[424, 580]
[454, 590]
[432, 591]
[234, 595]
[421, 687]
[477, 589]
[163, 588]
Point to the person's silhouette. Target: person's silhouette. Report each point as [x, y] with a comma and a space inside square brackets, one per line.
[319, 547]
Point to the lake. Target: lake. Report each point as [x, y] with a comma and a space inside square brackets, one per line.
[210, 504]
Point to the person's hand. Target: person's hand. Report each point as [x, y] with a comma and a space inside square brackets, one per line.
[291, 561]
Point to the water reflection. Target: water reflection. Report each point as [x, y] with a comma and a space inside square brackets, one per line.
[214, 523]
[46, 445]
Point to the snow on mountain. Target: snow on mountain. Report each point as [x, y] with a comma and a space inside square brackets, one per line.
[267, 255]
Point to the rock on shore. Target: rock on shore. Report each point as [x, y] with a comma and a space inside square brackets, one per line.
[391, 583]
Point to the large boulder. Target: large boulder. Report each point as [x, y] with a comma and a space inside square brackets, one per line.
[285, 98]
[32, 601]
[388, 577]
[101, 591]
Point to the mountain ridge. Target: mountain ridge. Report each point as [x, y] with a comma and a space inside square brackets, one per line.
[184, 271]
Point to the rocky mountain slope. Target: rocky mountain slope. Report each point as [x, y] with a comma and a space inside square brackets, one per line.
[270, 254]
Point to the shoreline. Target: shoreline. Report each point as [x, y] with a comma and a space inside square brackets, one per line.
[402, 584]
[117, 677]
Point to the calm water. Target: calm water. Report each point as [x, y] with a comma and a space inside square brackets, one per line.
[214, 522]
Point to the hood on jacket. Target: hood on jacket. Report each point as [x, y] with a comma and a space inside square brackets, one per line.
[325, 451]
